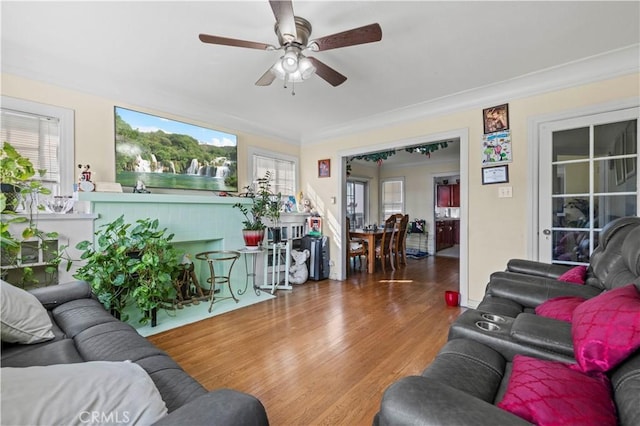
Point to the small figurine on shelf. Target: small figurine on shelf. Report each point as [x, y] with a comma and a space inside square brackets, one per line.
[140, 188]
[84, 179]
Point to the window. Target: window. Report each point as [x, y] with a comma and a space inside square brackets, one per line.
[283, 171]
[35, 137]
[392, 197]
[356, 201]
[44, 134]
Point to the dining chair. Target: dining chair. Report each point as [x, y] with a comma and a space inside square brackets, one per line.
[399, 246]
[384, 249]
[357, 247]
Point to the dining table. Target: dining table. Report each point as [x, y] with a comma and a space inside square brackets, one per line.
[370, 236]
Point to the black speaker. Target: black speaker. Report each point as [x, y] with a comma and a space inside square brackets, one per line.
[318, 262]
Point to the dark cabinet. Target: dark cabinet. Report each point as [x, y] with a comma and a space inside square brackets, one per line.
[456, 231]
[445, 234]
[448, 195]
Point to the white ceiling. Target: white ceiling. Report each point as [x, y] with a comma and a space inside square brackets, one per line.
[148, 54]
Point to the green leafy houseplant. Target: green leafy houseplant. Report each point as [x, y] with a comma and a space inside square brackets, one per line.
[130, 263]
[16, 174]
[264, 204]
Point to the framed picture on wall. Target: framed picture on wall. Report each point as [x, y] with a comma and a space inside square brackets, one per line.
[497, 174]
[324, 168]
[165, 153]
[496, 119]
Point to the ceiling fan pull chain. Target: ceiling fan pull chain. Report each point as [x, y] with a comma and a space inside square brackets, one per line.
[293, 87]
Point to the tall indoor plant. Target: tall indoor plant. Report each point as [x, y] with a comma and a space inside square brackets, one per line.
[130, 263]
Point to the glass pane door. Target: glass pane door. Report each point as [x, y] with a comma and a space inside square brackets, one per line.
[356, 202]
[588, 177]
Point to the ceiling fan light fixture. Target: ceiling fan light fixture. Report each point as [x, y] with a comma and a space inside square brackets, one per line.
[290, 61]
[278, 70]
[305, 67]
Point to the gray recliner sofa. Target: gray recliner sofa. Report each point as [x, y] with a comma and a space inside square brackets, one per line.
[467, 379]
[469, 376]
[85, 331]
[526, 284]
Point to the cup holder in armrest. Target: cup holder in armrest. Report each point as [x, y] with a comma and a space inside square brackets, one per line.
[487, 326]
[493, 318]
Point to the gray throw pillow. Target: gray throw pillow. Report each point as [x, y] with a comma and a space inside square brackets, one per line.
[23, 318]
[97, 392]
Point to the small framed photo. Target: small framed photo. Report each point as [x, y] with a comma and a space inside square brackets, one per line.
[324, 168]
[497, 174]
[496, 119]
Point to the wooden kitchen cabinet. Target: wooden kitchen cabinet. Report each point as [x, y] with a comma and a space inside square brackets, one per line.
[456, 231]
[448, 195]
[445, 234]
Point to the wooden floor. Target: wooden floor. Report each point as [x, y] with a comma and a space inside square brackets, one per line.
[323, 353]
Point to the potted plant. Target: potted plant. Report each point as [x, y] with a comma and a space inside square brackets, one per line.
[130, 263]
[16, 175]
[15, 171]
[274, 208]
[264, 204]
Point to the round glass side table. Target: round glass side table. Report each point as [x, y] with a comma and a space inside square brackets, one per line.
[220, 266]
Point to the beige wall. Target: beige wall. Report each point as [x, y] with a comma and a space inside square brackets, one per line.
[496, 227]
[94, 126]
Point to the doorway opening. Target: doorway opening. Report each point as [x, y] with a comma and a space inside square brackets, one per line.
[418, 188]
[446, 240]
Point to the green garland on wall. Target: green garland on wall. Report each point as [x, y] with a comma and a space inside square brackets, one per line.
[379, 157]
[428, 148]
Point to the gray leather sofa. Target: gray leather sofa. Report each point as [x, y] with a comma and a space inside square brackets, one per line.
[469, 376]
[526, 284]
[467, 379]
[84, 331]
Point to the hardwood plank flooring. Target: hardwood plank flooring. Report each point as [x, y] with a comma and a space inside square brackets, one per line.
[323, 353]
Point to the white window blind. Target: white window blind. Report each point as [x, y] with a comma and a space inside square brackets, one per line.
[36, 137]
[283, 173]
[392, 198]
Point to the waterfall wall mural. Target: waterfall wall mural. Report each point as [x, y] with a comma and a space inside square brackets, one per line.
[164, 153]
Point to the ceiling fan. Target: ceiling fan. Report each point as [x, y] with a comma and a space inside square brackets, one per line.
[293, 36]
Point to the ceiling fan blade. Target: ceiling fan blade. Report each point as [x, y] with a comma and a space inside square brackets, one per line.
[266, 79]
[330, 75]
[366, 34]
[206, 38]
[283, 11]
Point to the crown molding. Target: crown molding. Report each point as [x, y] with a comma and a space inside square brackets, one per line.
[605, 66]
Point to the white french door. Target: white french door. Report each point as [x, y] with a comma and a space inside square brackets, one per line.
[357, 200]
[588, 176]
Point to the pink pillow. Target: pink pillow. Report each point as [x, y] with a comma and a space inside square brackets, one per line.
[574, 275]
[552, 393]
[560, 308]
[606, 329]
